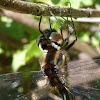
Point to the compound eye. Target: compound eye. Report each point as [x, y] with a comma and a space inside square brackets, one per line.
[56, 37]
[39, 39]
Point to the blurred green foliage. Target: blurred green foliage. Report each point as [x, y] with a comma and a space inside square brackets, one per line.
[74, 3]
[19, 32]
[30, 53]
[22, 56]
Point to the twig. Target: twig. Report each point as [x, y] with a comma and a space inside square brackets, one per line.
[28, 21]
[24, 19]
[40, 9]
[90, 20]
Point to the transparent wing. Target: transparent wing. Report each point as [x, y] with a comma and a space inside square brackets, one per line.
[30, 85]
[15, 85]
[83, 83]
[41, 93]
[84, 79]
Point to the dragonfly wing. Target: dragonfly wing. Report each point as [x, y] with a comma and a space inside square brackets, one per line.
[15, 85]
[43, 93]
[83, 79]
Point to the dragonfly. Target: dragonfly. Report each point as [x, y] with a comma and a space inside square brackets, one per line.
[57, 79]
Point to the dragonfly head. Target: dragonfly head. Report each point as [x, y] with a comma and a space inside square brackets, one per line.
[49, 39]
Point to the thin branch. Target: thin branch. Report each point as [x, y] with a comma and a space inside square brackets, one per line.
[89, 20]
[29, 21]
[42, 10]
[24, 19]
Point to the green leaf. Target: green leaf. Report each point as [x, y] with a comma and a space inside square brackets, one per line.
[32, 50]
[95, 42]
[7, 20]
[75, 3]
[97, 1]
[85, 37]
[1, 51]
[21, 57]
[97, 35]
[18, 60]
[55, 1]
[87, 2]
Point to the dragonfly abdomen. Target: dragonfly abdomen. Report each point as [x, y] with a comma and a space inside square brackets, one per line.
[55, 82]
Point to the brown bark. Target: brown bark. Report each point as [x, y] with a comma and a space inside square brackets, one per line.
[42, 10]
